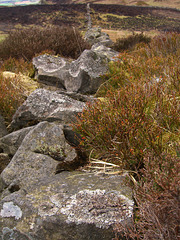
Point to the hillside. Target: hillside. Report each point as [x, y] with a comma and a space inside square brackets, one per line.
[147, 3]
[110, 17]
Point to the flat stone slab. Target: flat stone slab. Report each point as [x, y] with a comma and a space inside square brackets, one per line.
[70, 205]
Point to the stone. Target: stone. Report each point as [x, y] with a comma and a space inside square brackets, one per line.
[3, 129]
[44, 105]
[70, 205]
[78, 96]
[82, 75]
[10, 143]
[44, 152]
[94, 35]
[104, 51]
[50, 69]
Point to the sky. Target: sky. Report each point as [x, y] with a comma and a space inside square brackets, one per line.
[17, 2]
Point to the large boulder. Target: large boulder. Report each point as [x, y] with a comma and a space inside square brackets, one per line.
[3, 129]
[44, 105]
[70, 205]
[43, 152]
[82, 75]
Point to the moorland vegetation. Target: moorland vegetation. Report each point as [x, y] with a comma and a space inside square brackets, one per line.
[134, 124]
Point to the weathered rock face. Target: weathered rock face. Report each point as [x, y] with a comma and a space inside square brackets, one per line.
[105, 52]
[44, 105]
[42, 151]
[82, 75]
[10, 143]
[94, 35]
[70, 205]
[3, 130]
[51, 69]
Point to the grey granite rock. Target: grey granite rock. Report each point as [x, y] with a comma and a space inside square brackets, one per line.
[70, 205]
[44, 105]
[42, 152]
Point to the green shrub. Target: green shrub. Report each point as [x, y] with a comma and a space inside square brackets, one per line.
[65, 41]
[122, 44]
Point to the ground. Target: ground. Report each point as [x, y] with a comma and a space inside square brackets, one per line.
[117, 20]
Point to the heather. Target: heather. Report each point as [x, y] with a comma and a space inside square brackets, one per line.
[25, 43]
[157, 198]
[129, 42]
[138, 108]
[135, 124]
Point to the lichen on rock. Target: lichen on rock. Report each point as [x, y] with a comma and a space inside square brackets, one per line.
[100, 207]
[11, 210]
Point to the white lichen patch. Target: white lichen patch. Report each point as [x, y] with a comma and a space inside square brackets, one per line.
[100, 207]
[11, 210]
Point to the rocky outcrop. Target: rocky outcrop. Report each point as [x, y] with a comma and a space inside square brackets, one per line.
[3, 130]
[41, 200]
[44, 105]
[82, 75]
[70, 205]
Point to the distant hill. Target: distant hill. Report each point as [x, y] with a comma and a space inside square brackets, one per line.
[17, 2]
[145, 3]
